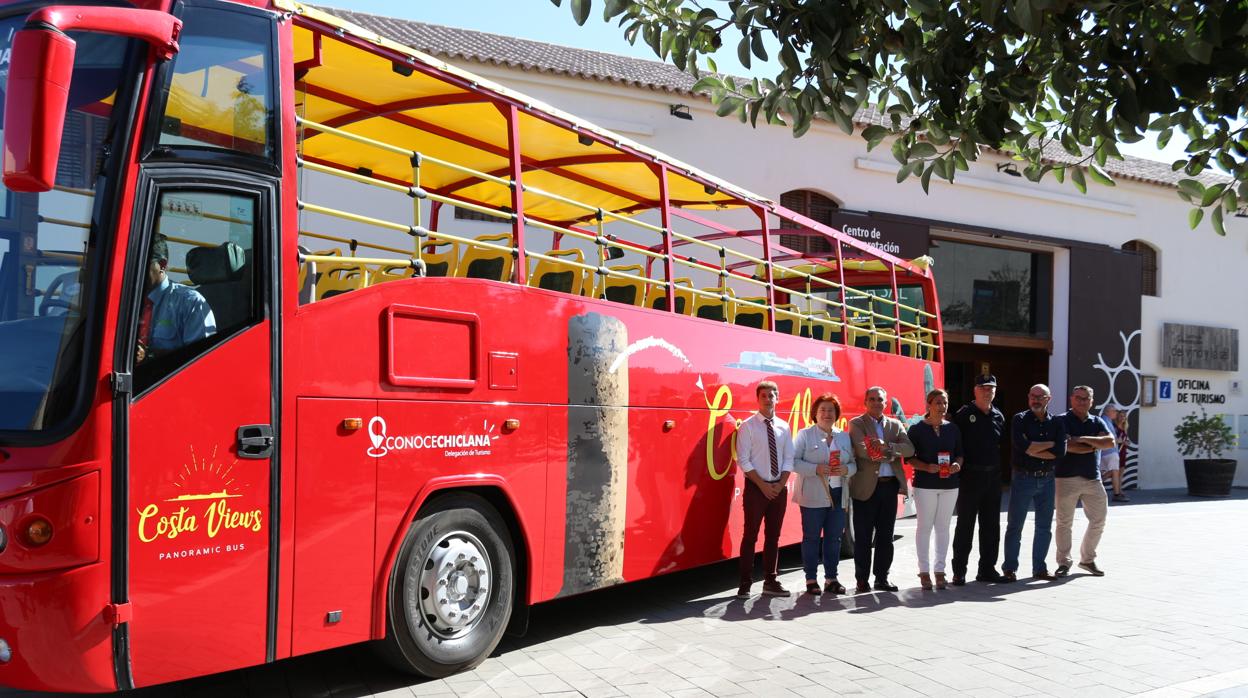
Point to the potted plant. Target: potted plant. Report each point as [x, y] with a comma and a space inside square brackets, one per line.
[1207, 437]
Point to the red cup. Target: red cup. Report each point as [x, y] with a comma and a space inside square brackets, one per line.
[943, 459]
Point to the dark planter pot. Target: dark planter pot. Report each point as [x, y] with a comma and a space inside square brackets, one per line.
[1209, 477]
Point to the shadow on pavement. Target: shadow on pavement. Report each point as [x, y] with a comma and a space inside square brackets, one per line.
[705, 592]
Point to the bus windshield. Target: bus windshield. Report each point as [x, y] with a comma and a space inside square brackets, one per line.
[50, 250]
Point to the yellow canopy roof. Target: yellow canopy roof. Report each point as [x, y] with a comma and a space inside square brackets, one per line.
[372, 95]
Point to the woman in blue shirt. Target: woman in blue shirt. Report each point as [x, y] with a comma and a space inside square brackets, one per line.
[936, 462]
[823, 491]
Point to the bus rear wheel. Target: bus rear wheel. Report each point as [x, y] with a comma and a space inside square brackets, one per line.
[451, 589]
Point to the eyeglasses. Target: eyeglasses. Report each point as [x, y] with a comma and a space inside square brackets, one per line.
[1034, 396]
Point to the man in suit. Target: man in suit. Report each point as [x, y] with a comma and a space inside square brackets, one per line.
[880, 443]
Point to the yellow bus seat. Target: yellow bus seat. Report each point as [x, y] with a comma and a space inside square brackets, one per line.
[441, 257]
[684, 297]
[485, 263]
[787, 323]
[909, 345]
[306, 266]
[912, 343]
[555, 275]
[390, 272]
[336, 278]
[751, 315]
[822, 327]
[884, 338]
[622, 290]
[715, 308]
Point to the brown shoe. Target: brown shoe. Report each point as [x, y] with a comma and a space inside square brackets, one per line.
[774, 588]
[1043, 575]
[862, 587]
[925, 581]
[940, 580]
[1091, 568]
[832, 586]
[1007, 577]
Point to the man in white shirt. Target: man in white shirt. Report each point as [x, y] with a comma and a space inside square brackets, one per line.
[765, 456]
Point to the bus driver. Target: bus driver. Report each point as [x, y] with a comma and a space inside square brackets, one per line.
[173, 315]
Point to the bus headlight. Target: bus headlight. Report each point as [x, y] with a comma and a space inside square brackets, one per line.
[38, 532]
[4, 539]
[5, 653]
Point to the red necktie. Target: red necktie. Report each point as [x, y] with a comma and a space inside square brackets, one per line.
[145, 322]
[771, 446]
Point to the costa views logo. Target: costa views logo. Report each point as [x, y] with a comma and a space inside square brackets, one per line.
[453, 445]
[208, 505]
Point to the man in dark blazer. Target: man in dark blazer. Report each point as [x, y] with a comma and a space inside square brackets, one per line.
[880, 442]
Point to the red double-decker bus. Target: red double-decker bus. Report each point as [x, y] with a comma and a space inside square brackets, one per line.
[262, 395]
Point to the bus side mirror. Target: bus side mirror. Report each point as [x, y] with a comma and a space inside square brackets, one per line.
[41, 68]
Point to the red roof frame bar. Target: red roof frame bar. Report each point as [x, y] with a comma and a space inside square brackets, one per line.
[550, 164]
[402, 106]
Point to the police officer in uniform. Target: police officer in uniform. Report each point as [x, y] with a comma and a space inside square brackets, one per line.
[979, 493]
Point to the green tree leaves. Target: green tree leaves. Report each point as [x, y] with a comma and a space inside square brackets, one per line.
[950, 78]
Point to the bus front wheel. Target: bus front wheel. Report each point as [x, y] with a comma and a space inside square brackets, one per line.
[451, 589]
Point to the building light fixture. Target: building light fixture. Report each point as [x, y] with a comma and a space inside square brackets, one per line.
[584, 140]
[680, 111]
[1009, 168]
[1242, 212]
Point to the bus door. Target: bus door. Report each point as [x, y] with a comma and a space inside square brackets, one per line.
[200, 424]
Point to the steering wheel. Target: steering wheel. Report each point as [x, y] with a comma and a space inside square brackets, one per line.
[54, 297]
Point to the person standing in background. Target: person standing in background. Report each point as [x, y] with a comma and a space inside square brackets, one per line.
[824, 463]
[1079, 481]
[1039, 443]
[880, 442]
[936, 462]
[979, 491]
[765, 456]
[1113, 460]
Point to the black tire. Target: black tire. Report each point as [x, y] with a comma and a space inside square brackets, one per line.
[419, 637]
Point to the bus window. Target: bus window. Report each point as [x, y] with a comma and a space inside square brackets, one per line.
[51, 253]
[219, 93]
[200, 280]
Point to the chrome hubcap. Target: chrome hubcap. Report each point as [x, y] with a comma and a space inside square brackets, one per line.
[455, 584]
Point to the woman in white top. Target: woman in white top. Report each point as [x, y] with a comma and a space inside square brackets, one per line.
[823, 491]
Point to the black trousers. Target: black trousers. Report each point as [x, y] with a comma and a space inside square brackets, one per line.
[874, 521]
[979, 497]
[769, 514]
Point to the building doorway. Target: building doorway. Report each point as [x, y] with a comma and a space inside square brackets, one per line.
[1016, 369]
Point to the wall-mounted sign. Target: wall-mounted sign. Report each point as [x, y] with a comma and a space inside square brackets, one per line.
[1197, 392]
[1148, 391]
[900, 239]
[1165, 391]
[1196, 346]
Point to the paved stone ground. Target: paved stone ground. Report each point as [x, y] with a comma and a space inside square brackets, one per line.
[1170, 618]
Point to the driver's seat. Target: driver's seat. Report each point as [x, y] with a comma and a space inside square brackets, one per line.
[220, 275]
